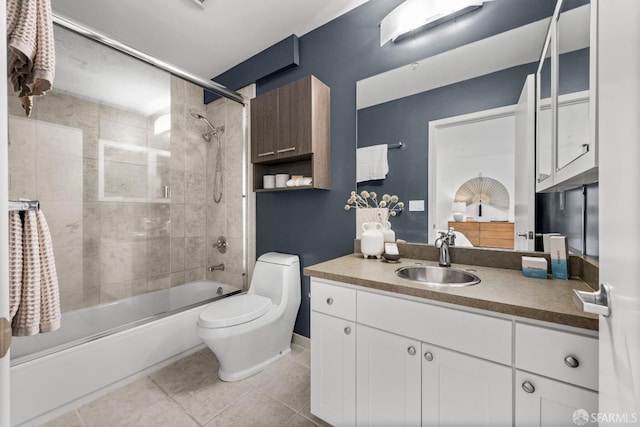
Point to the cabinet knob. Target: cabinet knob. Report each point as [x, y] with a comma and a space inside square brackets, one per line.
[428, 356]
[329, 300]
[411, 350]
[571, 361]
[528, 387]
[347, 330]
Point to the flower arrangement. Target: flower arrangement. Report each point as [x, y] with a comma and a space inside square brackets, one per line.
[382, 210]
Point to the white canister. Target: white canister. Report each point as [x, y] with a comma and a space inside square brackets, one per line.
[268, 181]
[281, 180]
[388, 234]
[372, 240]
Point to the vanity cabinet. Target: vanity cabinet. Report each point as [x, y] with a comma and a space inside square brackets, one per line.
[458, 389]
[566, 142]
[556, 375]
[382, 359]
[333, 354]
[290, 133]
[388, 379]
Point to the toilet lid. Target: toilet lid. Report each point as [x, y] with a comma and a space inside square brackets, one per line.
[234, 311]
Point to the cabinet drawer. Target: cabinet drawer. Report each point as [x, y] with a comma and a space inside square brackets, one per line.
[333, 300]
[483, 336]
[543, 351]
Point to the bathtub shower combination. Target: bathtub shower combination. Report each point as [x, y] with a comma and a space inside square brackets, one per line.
[133, 176]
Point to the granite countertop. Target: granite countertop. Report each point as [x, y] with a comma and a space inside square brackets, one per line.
[500, 290]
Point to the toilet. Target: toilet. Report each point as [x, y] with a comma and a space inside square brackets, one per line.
[247, 332]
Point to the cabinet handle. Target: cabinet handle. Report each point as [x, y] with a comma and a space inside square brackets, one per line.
[528, 387]
[411, 350]
[329, 300]
[268, 153]
[428, 356]
[347, 330]
[284, 150]
[571, 361]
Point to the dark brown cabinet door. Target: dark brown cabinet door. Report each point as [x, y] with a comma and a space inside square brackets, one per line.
[295, 125]
[264, 127]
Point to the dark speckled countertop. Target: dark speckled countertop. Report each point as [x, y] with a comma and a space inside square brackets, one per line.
[500, 290]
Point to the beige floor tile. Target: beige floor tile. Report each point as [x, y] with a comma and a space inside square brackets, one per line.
[187, 371]
[70, 419]
[165, 413]
[288, 382]
[300, 421]
[254, 409]
[124, 403]
[205, 399]
[306, 412]
[303, 358]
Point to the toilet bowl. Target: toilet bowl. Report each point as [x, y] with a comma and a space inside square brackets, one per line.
[248, 332]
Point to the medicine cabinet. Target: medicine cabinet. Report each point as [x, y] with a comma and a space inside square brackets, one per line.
[566, 119]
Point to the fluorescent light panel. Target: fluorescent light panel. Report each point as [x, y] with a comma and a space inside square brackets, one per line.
[418, 15]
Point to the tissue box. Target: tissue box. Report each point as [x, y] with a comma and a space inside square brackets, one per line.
[559, 262]
[534, 267]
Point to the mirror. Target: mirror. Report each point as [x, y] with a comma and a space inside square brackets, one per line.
[573, 84]
[544, 135]
[399, 105]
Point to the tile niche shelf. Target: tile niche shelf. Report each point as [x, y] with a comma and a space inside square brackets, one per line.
[290, 134]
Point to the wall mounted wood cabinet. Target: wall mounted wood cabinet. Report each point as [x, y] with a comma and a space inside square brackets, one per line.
[290, 133]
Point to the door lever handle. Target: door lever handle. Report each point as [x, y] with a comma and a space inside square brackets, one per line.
[594, 302]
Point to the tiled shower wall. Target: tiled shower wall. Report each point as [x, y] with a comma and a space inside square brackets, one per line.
[225, 218]
[114, 234]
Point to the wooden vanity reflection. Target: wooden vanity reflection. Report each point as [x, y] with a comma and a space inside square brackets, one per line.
[486, 234]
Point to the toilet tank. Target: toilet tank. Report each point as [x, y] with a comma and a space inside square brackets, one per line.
[274, 272]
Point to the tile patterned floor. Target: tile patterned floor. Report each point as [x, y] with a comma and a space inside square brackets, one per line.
[189, 393]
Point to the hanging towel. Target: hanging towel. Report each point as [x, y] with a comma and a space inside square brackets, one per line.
[371, 163]
[30, 43]
[39, 309]
[15, 262]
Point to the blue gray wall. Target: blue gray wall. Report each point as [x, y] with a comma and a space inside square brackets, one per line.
[312, 223]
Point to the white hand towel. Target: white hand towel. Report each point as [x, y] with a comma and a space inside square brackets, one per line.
[371, 163]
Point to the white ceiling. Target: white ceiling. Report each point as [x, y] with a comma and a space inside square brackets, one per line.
[203, 41]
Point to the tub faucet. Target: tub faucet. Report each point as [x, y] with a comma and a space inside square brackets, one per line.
[219, 267]
[444, 240]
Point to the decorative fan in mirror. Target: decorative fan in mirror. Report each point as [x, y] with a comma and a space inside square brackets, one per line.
[483, 190]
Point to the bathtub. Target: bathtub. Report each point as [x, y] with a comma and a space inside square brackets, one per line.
[100, 348]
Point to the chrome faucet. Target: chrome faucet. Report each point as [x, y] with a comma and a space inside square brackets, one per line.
[219, 267]
[444, 240]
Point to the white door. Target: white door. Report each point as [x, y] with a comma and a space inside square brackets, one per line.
[543, 402]
[618, 136]
[333, 369]
[461, 390]
[388, 379]
[4, 197]
[524, 174]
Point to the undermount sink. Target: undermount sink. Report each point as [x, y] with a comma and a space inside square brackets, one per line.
[438, 276]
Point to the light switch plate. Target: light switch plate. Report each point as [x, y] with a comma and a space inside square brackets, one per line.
[416, 205]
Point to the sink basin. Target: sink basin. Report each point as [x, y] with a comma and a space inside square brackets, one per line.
[438, 276]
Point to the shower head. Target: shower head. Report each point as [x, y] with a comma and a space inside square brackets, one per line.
[207, 135]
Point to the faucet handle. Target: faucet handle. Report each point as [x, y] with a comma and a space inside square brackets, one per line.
[450, 231]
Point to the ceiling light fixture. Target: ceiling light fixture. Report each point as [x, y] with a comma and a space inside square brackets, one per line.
[414, 16]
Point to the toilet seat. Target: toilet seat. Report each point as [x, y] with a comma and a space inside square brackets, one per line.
[234, 311]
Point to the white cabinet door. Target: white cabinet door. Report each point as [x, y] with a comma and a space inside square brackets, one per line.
[461, 390]
[550, 403]
[388, 379]
[333, 369]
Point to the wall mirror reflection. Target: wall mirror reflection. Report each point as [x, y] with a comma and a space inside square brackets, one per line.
[455, 114]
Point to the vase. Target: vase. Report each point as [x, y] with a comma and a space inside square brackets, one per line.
[387, 233]
[372, 240]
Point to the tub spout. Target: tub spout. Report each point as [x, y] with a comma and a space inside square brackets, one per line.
[219, 267]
